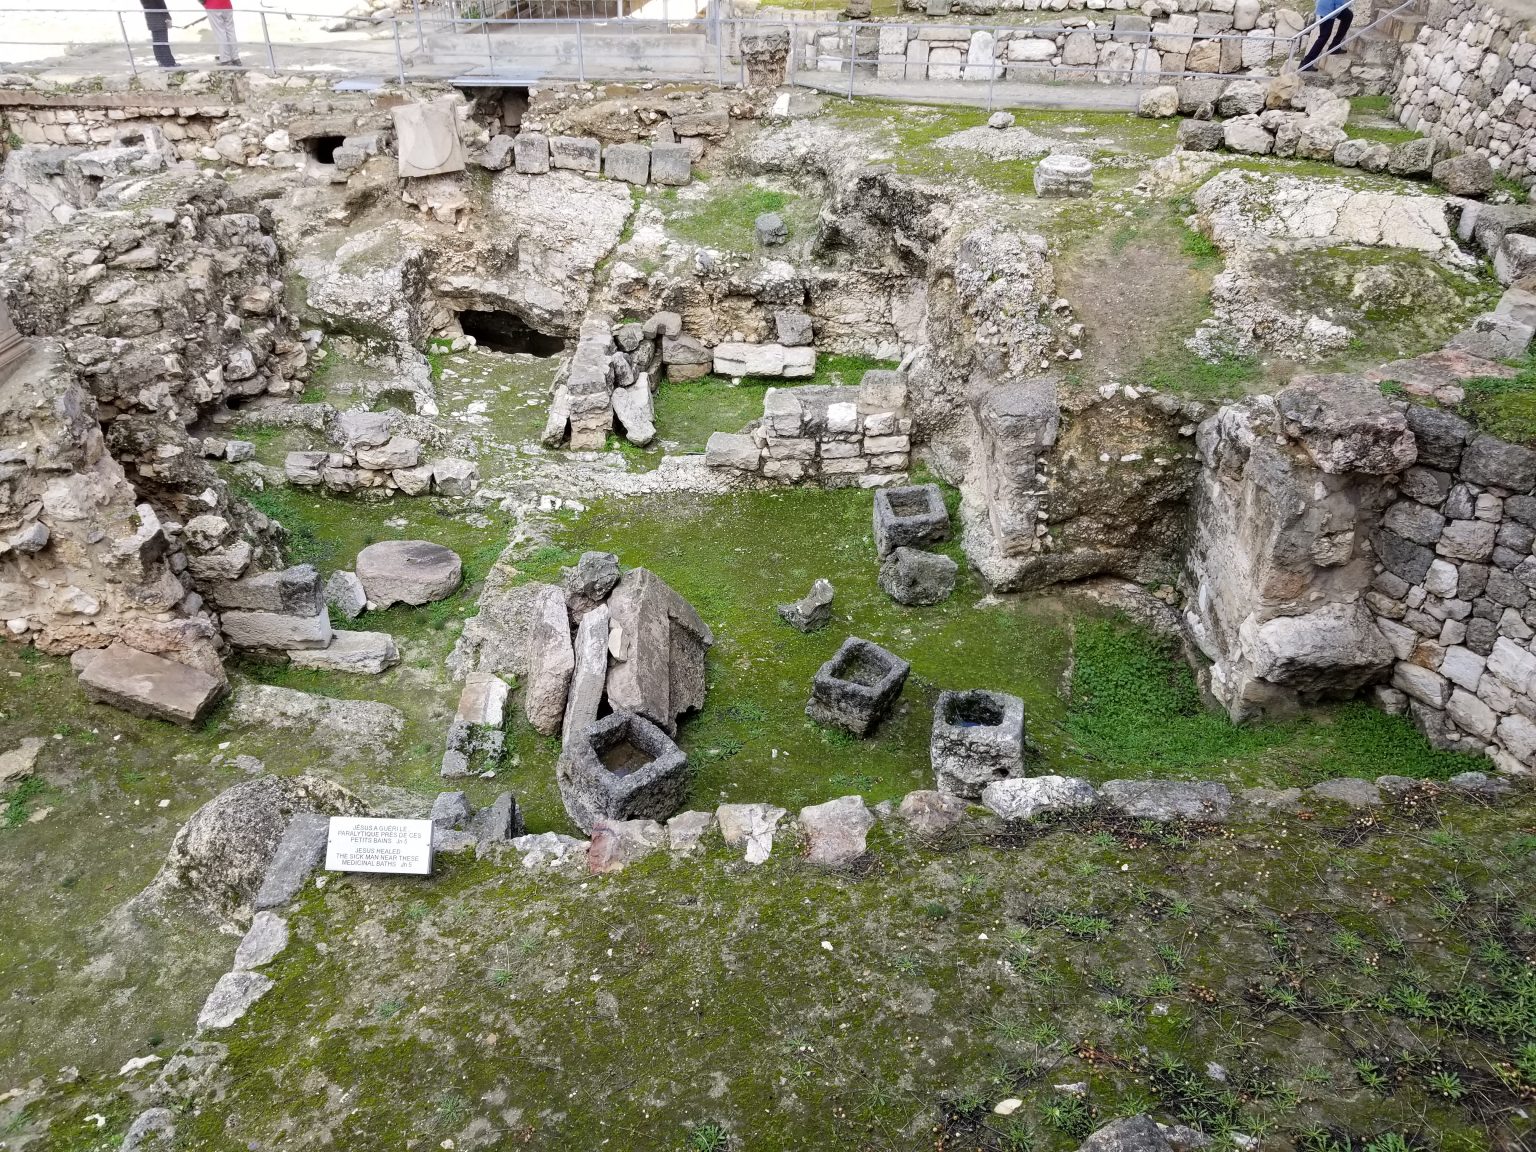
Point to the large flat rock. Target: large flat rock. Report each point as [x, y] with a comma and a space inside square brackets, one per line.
[407, 572]
[151, 686]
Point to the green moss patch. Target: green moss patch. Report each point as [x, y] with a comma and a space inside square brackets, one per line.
[1504, 408]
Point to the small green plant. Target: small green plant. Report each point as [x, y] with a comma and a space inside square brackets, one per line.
[708, 1138]
[1446, 1084]
[16, 805]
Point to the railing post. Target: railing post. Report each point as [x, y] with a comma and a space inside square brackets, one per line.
[266, 39]
[853, 57]
[581, 58]
[719, 59]
[127, 44]
[991, 76]
[421, 40]
[394, 23]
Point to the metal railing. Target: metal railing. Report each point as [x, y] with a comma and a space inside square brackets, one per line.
[451, 41]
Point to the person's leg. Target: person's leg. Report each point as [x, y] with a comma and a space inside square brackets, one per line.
[159, 22]
[1344, 19]
[1324, 30]
[222, 22]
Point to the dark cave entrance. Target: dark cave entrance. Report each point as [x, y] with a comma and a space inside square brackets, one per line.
[323, 148]
[504, 332]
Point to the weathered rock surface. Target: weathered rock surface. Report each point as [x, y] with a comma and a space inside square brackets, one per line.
[231, 999]
[915, 578]
[347, 728]
[752, 825]
[931, 813]
[263, 942]
[1025, 797]
[616, 843]
[836, 830]
[550, 663]
[363, 653]
[977, 739]
[657, 643]
[1165, 800]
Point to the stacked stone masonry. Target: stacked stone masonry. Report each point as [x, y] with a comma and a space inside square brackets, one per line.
[834, 436]
[1469, 80]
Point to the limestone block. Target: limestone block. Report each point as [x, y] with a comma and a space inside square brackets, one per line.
[735, 358]
[530, 153]
[730, 450]
[671, 164]
[150, 686]
[630, 163]
[576, 153]
[427, 139]
[363, 653]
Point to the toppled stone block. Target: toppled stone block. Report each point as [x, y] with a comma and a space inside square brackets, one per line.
[916, 578]
[345, 596]
[932, 813]
[550, 662]
[362, 653]
[397, 452]
[731, 450]
[588, 583]
[657, 643]
[302, 469]
[771, 230]
[734, 358]
[1024, 797]
[857, 687]
[1346, 425]
[977, 739]
[622, 767]
[276, 631]
[454, 477]
[590, 674]
[813, 611]
[1468, 174]
[793, 328]
[909, 517]
[1515, 261]
[427, 139]
[1414, 158]
[617, 843]
[407, 572]
[294, 591]
[150, 686]
[836, 831]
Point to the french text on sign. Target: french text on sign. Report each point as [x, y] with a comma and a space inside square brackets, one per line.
[365, 844]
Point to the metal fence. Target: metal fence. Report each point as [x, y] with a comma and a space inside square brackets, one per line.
[451, 40]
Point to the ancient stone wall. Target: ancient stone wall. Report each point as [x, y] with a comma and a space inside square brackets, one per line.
[1454, 596]
[1469, 80]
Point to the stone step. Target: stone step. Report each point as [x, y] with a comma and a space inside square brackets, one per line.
[364, 653]
[150, 686]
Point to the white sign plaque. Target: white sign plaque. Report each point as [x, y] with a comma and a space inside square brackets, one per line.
[365, 844]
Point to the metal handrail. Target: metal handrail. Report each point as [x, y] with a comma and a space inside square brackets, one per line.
[1353, 36]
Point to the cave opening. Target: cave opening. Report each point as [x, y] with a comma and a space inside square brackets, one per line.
[504, 332]
[323, 148]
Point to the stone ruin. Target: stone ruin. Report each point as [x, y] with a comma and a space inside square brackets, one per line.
[857, 687]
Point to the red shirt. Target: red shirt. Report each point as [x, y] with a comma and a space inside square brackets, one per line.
[217, 5]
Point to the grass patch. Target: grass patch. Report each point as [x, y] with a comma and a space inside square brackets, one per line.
[1178, 369]
[1504, 408]
[725, 217]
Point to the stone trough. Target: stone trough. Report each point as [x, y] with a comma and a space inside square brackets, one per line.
[856, 688]
[910, 517]
[623, 767]
[978, 739]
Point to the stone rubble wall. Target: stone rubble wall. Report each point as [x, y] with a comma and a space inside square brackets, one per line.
[836, 437]
[1469, 80]
[1454, 593]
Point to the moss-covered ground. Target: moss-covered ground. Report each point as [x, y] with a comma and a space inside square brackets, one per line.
[1323, 981]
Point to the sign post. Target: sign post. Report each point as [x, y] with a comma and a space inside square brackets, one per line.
[366, 844]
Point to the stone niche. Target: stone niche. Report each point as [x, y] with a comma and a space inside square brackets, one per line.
[622, 767]
[978, 739]
[857, 687]
[911, 517]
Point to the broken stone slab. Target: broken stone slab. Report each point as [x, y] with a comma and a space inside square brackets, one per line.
[771, 230]
[752, 825]
[231, 999]
[632, 408]
[407, 572]
[550, 662]
[361, 653]
[977, 739]
[497, 154]
[398, 453]
[264, 941]
[154, 1128]
[731, 450]
[1165, 800]
[150, 686]
[621, 767]
[1494, 337]
[300, 851]
[931, 813]
[916, 578]
[356, 428]
[552, 848]
[813, 611]
[452, 476]
[857, 687]
[1024, 797]
[658, 644]
[585, 698]
[738, 358]
[836, 831]
[909, 517]
[793, 328]
[17, 764]
[276, 631]
[1349, 791]
[617, 843]
[498, 822]
[662, 324]
[450, 810]
[344, 594]
[687, 829]
[294, 592]
[483, 702]
[588, 583]
[1346, 424]
[347, 728]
